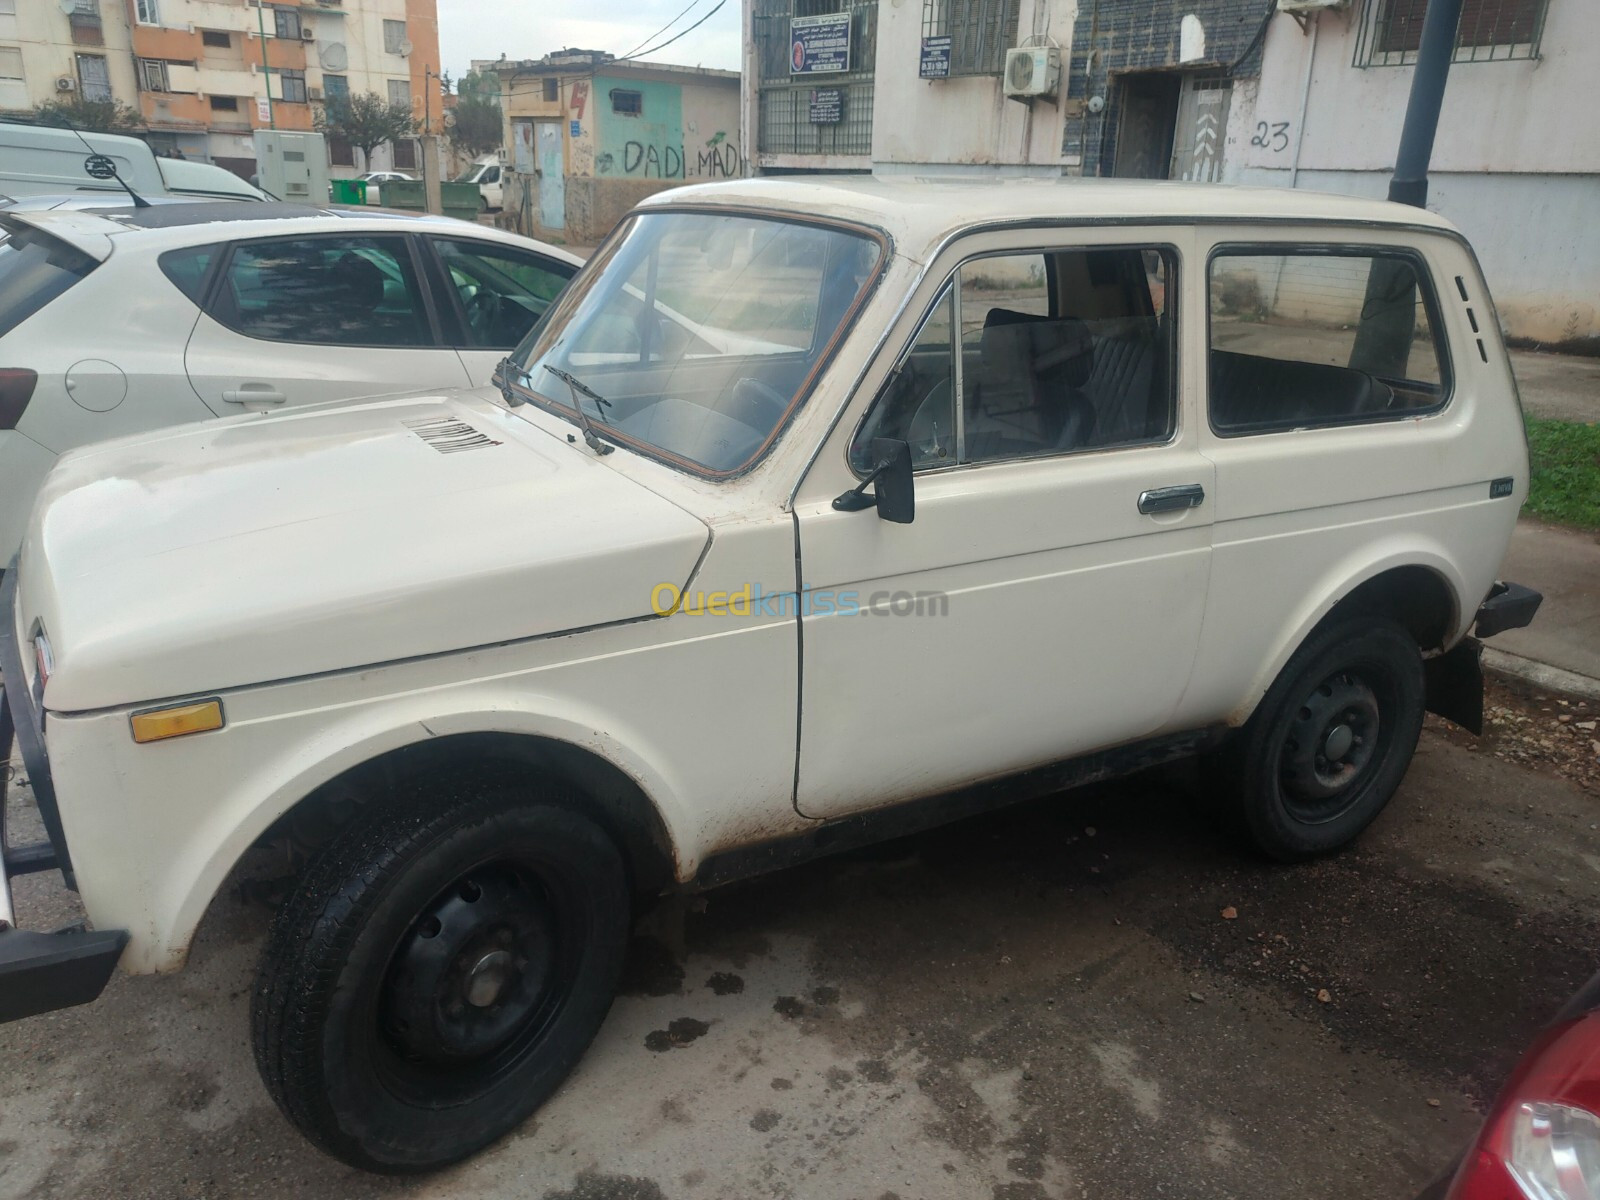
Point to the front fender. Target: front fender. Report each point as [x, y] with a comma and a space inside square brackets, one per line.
[186, 841]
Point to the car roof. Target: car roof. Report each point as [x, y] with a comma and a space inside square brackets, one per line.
[920, 212]
[192, 223]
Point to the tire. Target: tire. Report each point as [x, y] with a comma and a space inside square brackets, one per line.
[1330, 742]
[435, 975]
[483, 204]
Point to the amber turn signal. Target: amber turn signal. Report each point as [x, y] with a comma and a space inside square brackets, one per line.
[154, 724]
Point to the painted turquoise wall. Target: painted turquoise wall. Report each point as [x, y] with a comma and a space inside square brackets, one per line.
[648, 146]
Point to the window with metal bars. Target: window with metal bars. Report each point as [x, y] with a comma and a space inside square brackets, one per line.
[1490, 30]
[980, 32]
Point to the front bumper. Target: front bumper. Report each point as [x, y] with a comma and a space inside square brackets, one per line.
[39, 972]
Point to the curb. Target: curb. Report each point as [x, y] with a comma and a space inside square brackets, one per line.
[1557, 679]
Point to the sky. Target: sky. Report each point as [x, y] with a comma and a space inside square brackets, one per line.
[470, 29]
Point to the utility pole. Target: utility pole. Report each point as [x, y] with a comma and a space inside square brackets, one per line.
[1389, 311]
[266, 71]
[1434, 54]
[432, 184]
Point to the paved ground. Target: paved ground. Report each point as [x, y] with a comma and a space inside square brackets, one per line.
[1566, 386]
[1564, 564]
[1042, 1003]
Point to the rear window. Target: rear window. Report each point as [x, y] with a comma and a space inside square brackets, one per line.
[35, 268]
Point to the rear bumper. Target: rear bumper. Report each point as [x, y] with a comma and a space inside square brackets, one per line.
[1507, 606]
[1455, 680]
[39, 972]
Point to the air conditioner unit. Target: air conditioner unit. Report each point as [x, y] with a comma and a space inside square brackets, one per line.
[1310, 6]
[314, 93]
[1032, 71]
[66, 83]
[307, 35]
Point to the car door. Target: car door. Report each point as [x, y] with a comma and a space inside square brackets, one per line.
[303, 318]
[495, 293]
[1046, 599]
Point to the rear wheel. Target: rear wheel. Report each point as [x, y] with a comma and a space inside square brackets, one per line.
[1331, 740]
[436, 974]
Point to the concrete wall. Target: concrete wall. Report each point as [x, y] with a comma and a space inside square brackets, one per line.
[687, 131]
[963, 121]
[1516, 164]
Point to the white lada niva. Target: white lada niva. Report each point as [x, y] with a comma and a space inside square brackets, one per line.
[814, 512]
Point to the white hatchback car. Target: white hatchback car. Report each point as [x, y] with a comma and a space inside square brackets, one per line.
[125, 319]
[813, 513]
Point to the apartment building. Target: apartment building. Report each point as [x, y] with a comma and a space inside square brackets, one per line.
[203, 74]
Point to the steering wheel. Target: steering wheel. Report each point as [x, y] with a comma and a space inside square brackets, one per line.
[766, 404]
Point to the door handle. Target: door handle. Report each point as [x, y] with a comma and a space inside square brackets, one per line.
[254, 393]
[1171, 499]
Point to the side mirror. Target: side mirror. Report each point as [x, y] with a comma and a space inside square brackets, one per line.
[894, 492]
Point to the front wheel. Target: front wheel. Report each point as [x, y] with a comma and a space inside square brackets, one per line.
[1330, 741]
[436, 974]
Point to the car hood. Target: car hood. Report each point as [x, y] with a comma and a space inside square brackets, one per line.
[242, 551]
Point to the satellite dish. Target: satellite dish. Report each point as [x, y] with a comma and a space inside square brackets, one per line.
[333, 56]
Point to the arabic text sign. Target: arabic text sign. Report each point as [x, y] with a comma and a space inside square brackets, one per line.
[827, 106]
[935, 58]
[818, 45]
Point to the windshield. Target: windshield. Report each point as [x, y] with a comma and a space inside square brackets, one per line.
[700, 331]
[470, 175]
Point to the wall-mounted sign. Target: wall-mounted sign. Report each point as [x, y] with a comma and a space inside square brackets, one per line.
[827, 106]
[263, 109]
[577, 129]
[935, 58]
[818, 45]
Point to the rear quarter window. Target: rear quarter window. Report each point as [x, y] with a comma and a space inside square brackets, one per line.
[1307, 337]
[35, 269]
[187, 268]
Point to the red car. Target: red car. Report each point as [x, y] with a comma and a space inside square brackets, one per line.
[1541, 1140]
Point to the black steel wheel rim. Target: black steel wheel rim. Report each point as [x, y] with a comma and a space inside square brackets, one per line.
[1335, 740]
[474, 983]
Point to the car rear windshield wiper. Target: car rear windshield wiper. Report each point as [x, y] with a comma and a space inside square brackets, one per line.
[580, 388]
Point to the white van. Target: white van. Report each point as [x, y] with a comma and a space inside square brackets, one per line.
[485, 172]
[39, 160]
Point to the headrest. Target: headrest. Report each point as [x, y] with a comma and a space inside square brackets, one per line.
[1060, 349]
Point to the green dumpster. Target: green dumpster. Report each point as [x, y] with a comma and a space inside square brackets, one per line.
[403, 193]
[348, 191]
[461, 200]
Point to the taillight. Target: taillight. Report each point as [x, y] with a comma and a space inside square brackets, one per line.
[1542, 1138]
[16, 389]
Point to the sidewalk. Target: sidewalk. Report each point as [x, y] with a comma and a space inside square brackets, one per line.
[1564, 564]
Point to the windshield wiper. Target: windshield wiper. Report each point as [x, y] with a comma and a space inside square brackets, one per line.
[580, 388]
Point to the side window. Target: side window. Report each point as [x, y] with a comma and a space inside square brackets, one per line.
[1059, 352]
[502, 291]
[339, 291]
[187, 268]
[1311, 338]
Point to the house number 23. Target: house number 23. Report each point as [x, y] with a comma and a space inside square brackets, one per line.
[1274, 137]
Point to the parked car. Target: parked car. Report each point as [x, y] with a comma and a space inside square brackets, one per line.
[121, 320]
[376, 179]
[813, 512]
[485, 172]
[1541, 1139]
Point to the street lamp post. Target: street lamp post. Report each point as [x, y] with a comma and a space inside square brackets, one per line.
[266, 70]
